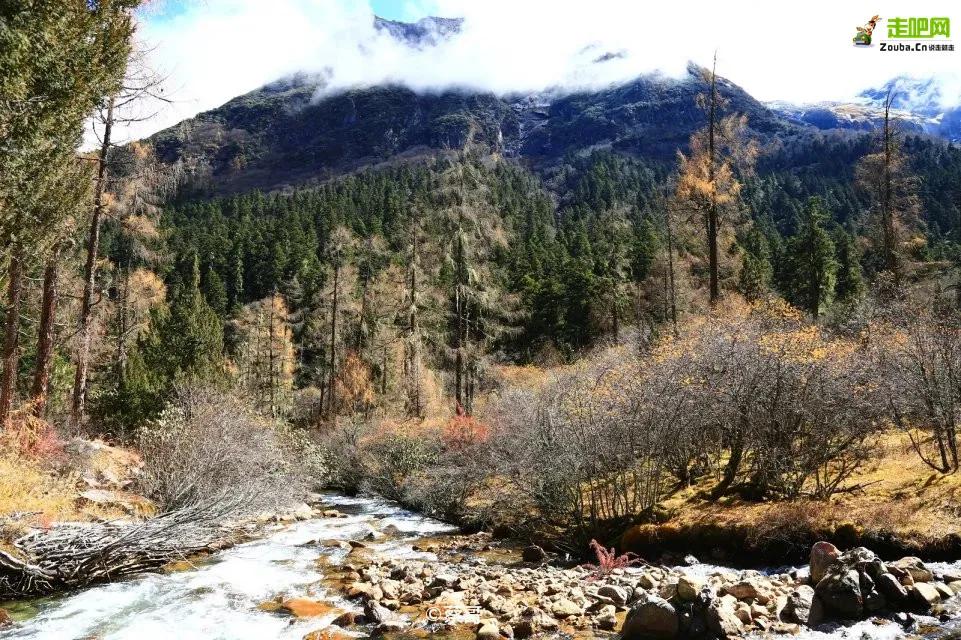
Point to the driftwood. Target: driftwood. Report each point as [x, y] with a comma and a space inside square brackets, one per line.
[71, 556]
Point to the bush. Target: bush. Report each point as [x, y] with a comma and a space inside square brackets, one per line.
[209, 447]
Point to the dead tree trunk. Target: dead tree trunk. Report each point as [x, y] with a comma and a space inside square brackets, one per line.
[46, 333]
[78, 405]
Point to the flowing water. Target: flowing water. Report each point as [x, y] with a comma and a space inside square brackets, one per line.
[219, 599]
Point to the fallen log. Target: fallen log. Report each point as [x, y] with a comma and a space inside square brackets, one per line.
[71, 556]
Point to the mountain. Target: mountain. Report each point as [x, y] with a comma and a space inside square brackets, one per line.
[293, 131]
[425, 32]
[921, 105]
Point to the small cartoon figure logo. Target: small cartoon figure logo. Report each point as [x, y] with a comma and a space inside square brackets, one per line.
[863, 37]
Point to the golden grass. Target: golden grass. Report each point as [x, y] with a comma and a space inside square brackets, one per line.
[900, 495]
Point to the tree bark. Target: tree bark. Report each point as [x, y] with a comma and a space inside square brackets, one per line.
[11, 334]
[712, 214]
[78, 405]
[46, 333]
[332, 383]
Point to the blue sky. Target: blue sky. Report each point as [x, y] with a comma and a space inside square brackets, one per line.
[406, 10]
[401, 9]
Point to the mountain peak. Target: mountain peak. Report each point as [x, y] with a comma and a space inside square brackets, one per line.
[426, 32]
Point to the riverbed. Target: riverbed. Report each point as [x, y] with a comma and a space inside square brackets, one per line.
[219, 598]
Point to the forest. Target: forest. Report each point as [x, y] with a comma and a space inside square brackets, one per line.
[560, 349]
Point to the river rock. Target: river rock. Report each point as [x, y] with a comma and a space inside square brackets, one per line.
[891, 588]
[376, 613]
[722, 617]
[5, 619]
[823, 555]
[955, 586]
[346, 619]
[531, 621]
[618, 595]
[840, 590]
[533, 553]
[606, 618]
[305, 608]
[391, 626]
[488, 631]
[689, 587]
[328, 633]
[565, 608]
[750, 589]
[653, 618]
[944, 590]
[803, 607]
[303, 511]
[913, 567]
[924, 595]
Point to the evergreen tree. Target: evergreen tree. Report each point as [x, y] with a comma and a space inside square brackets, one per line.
[811, 263]
[850, 279]
[185, 344]
[756, 269]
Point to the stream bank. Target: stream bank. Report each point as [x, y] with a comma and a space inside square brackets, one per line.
[297, 581]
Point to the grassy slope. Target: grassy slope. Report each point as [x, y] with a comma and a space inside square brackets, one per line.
[903, 506]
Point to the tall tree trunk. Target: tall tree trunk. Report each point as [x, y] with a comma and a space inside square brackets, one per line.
[888, 230]
[712, 214]
[78, 405]
[670, 270]
[459, 328]
[332, 381]
[46, 333]
[11, 333]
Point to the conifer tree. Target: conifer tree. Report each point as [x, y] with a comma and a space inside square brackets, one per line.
[811, 263]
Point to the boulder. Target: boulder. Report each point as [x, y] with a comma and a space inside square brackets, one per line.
[750, 589]
[652, 618]
[488, 631]
[722, 618]
[803, 607]
[955, 586]
[823, 555]
[346, 619]
[924, 595]
[385, 628]
[689, 587]
[891, 588]
[533, 553]
[913, 567]
[376, 613]
[565, 608]
[305, 608]
[943, 590]
[618, 595]
[303, 511]
[328, 633]
[606, 618]
[840, 590]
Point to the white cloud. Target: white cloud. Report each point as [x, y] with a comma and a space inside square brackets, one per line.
[800, 52]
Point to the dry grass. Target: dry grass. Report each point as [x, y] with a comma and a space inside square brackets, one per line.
[899, 495]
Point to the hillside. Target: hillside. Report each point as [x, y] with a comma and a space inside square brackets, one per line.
[290, 132]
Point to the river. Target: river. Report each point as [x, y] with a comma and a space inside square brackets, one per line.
[218, 600]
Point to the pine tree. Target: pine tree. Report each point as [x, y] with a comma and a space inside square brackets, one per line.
[850, 279]
[756, 269]
[185, 344]
[812, 265]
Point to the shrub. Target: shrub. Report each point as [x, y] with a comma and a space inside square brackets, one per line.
[209, 447]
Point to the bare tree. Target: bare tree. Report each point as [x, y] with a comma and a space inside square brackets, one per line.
[139, 86]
